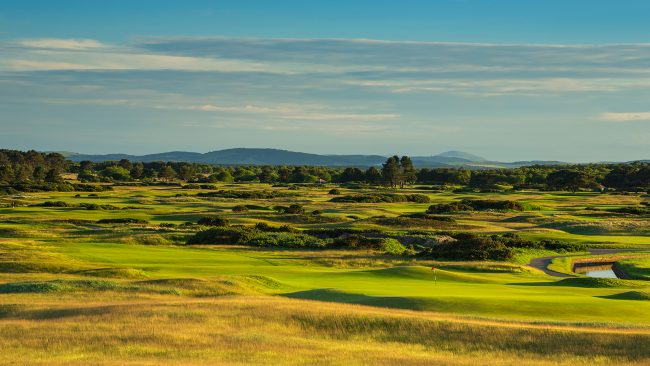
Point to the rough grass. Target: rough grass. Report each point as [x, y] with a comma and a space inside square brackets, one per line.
[254, 330]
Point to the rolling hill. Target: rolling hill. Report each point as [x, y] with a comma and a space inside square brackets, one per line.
[255, 156]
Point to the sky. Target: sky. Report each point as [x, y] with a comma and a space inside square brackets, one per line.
[509, 80]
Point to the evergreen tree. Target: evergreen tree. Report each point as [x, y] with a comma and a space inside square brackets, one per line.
[391, 171]
[372, 175]
[408, 175]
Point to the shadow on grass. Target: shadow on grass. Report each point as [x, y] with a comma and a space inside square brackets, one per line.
[629, 295]
[331, 295]
[587, 282]
[19, 311]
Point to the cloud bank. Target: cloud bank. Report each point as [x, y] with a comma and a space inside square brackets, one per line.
[425, 95]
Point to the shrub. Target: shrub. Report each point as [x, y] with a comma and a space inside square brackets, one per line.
[122, 221]
[262, 226]
[222, 235]
[448, 208]
[256, 207]
[392, 246]
[632, 210]
[482, 205]
[294, 209]
[213, 221]
[357, 241]
[245, 194]
[94, 206]
[339, 232]
[334, 191]
[288, 240]
[54, 204]
[382, 197]
[563, 246]
[261, 235]
[470, 247]
[476, 205]
[240, 208]
[426, 216]
[417, 198]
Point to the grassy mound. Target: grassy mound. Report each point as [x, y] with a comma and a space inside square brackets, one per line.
[630, 295]
[595, 282]
[425, 274]
[196, 287]
[264, 282]
[57, 286]
[330, 295]
[127, 273]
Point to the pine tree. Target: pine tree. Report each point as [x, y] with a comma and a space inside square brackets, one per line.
[391, 171]
[408, 171]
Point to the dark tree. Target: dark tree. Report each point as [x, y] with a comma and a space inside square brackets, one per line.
[408, 175]
[391, 171]
[373, 175]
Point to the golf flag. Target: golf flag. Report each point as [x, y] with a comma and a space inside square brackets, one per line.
[435, 278]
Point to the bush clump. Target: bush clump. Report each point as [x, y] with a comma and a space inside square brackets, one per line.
[392, 246]
[426, 216]
[262, 226]
[469, 246]
[213, 221]
[633, 210]
[122, 221]
[476, 205]
[222, 235]
[240, 208]
[94, 206]
[245, 194]
[294, 209]
[54, 204]
[286, 240]
[382, 197]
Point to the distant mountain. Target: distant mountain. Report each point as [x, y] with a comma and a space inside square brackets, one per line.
[244, 156]
[247, 156]
[461, 155]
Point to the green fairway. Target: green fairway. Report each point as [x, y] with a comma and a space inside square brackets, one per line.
[510, 295]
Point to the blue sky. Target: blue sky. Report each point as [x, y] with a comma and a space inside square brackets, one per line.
[509, 80]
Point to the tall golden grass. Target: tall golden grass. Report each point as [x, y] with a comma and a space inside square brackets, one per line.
[83, 329]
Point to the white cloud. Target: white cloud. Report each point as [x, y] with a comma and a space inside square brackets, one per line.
[62, 44]
[296, 112]
[64, 54]
[625, 116]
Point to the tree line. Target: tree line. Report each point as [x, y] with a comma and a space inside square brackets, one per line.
[34, 167]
